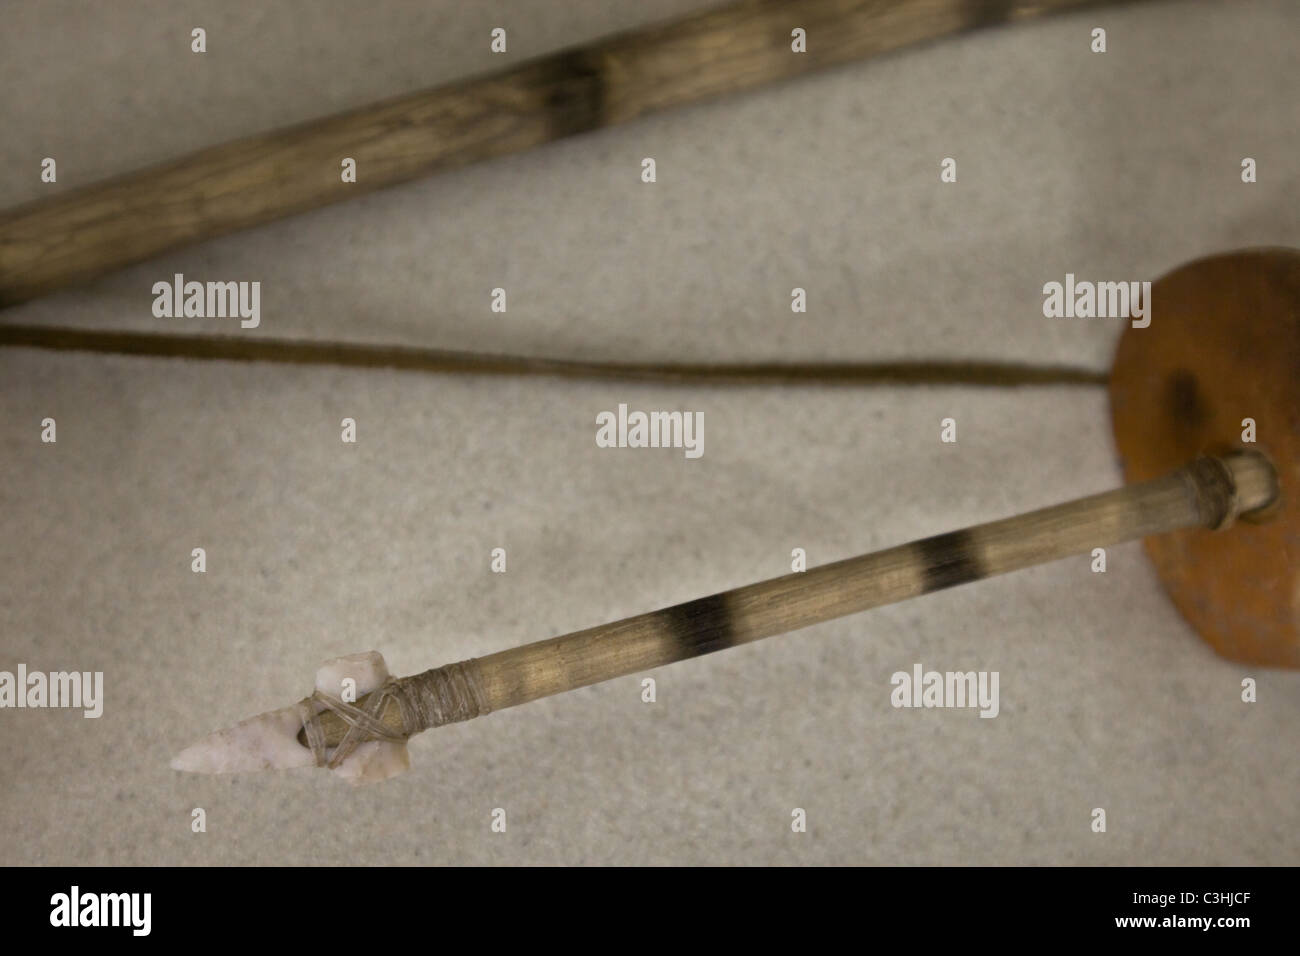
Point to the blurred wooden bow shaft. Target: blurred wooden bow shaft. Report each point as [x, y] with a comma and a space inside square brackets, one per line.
[1209, 492]
[85, 232]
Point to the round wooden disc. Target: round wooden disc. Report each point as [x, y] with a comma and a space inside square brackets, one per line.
[1223, 345]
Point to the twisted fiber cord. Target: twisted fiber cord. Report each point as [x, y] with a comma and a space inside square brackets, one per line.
[440, 696]
[1214, 490]
[357, 355]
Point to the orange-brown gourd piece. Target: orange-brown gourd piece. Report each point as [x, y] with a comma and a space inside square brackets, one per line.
[1223, 346]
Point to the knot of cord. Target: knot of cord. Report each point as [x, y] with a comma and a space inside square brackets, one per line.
[1215, 491]
[444, 695]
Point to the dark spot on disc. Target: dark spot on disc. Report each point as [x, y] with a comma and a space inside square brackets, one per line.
[1186, 405]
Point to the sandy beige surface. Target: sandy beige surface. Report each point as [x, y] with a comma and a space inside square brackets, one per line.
[1113, 166]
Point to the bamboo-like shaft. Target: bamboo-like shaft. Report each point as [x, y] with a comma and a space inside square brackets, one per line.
[88, 231]
[1209, 492]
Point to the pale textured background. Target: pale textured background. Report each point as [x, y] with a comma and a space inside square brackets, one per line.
[1115, 166]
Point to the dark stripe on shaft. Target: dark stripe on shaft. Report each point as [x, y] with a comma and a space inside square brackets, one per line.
[949, 560]
[701, 626]
[988, 13]
[576, 100]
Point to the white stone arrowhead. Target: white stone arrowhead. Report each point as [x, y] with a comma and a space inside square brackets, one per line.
[266, 742]
[270, 741]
